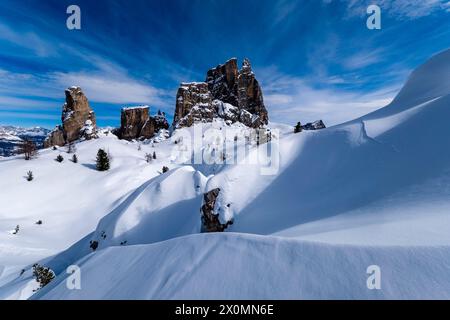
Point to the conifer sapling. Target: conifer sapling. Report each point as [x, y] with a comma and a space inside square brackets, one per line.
[102, 160]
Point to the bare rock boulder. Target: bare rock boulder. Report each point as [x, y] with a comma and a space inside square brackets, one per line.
[55, 138]
[210, 220]
[316, 125]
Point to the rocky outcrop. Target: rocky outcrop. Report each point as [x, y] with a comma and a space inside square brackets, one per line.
[222, 82]
[78, 120]
[226, 111]
[194, 103]
[55, 138]
[136, 123]
[210, 220]
[316, 125]
[161, 121]
[228, 93]
[250, 97]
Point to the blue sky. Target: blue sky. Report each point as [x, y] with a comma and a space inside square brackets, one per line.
[314, 59]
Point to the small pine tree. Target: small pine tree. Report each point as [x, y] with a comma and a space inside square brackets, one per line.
[165, 169]
[74, 158]
[298, 128]
[154, 155]
[43, 275]
[59, 158]
[102, 160]
[30, 175]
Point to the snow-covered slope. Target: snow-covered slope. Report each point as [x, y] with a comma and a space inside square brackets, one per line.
[236, 266]
[429, 81]
[70, 198]
[372, 191]
[160, 209]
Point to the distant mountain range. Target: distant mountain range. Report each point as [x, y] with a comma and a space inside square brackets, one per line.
[11, 136]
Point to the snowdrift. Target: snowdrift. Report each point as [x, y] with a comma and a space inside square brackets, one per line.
[235, 266]
[162, 208]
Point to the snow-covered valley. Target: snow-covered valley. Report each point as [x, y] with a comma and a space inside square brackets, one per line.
[372, 191]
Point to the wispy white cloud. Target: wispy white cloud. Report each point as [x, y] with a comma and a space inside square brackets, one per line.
[282, 10]
[362, 59]
[28, 40]
[107, 83]
[447, 6]
[13, 103]
[103, 88]
[298, 99]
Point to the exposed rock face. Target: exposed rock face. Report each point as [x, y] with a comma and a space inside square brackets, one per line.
[210, 220]
[77, 115]
[229, 93]
[250, 97]
[226, 111]
[55, 138]
[78, 120]
[316, 125]
[194, 103]
[222, 82]
[136, 123]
